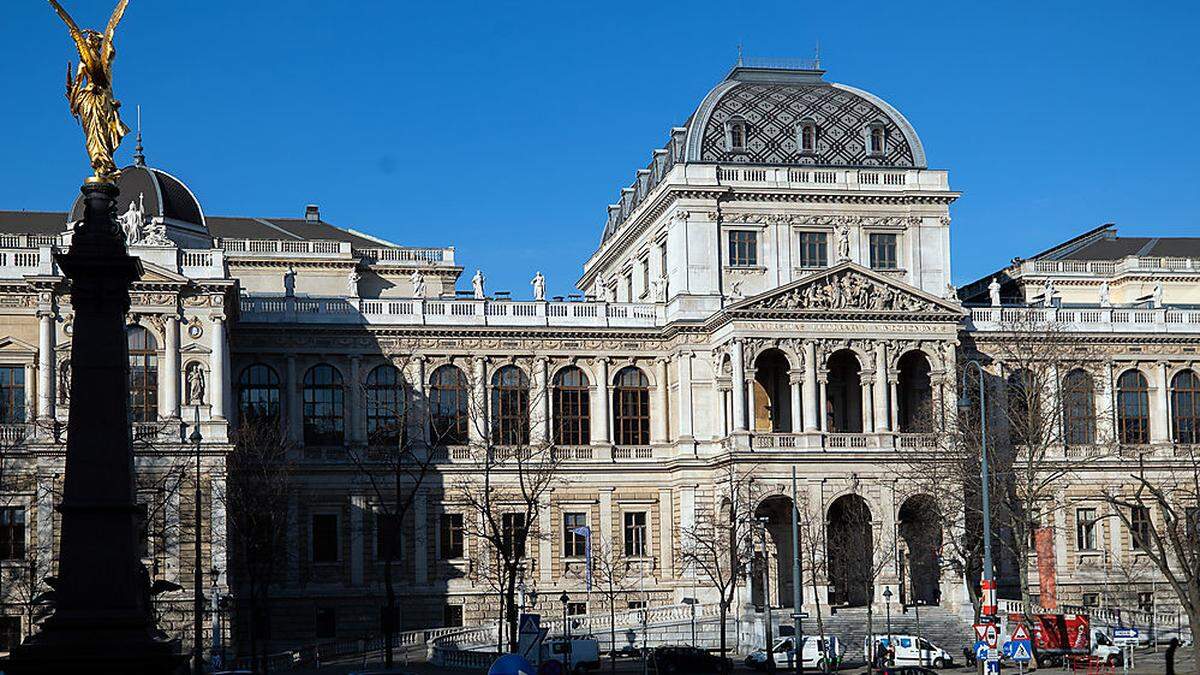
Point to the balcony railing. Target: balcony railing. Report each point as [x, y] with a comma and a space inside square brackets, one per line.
[1088, 320]
[1111, 268]
[464, 312]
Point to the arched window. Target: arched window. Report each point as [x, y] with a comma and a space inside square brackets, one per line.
[510, 406]
[877, 139]
[143, 374]
[1133, 408]
[572, 405]
[808, 137]
[1024, 408]
[448, 406]
[386, 406]
[1079, 408]
[1185, 407]
[631, 408]
[324, 409]
[258, 393]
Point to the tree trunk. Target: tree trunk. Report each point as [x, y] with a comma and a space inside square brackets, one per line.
[870, 636]
[510, 608]
[724, 615]
[389, 616]
[1194, 623]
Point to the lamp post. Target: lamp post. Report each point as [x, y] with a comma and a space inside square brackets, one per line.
[988, 584]
[564, 599]
[766, 581]
[217, 658]
[887, 603]
[197, 572]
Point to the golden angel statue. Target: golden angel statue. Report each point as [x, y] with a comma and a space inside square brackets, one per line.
[90, 93]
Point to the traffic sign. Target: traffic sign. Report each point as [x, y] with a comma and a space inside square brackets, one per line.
[991, 636]
[1022, 652]
[981, 650]
[1125, 637]
[799, 615]
[980, 630]
[1020, 634]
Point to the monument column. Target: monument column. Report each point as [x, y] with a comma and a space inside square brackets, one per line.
[45, 373]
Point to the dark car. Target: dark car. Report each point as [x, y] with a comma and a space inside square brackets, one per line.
[683, 659]
[626, 652]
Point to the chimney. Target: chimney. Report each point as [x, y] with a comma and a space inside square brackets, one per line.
[312, 213]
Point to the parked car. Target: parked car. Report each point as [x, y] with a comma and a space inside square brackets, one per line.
[627, 652]
[906, 670]
[577, 654]
[823, 653]
[688, 660]
[907, 650]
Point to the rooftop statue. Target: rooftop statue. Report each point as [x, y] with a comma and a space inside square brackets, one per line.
[90, 94]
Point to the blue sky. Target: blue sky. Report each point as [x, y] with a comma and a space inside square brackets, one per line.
[504, 128]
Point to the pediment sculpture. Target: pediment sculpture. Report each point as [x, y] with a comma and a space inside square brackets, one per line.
[847, 290]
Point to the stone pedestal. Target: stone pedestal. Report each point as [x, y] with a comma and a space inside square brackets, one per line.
[103, 621]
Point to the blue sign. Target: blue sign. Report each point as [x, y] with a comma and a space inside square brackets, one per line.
[511, 664]
[992, 667]
[981, 650]
[1020, 651]
[1127, 633]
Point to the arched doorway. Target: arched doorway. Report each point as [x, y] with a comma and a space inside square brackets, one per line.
[843, 393]
[777, 509]
[915, 391]
[851, 551]
[772, 392]
[921, 534]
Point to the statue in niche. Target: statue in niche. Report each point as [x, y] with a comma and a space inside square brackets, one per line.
[64, 382]
[418, 283]
[539, 286]
[843, 242]
[659, 287]
[1105, 299]
[195, 384]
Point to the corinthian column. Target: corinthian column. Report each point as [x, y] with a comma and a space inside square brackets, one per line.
[600, 405]
[685, 395]
[882, 418]
[812, 422]
[170, 408]
[45, 383]
[219, 368]
[540, 403]
[739, 388]
[658, 417]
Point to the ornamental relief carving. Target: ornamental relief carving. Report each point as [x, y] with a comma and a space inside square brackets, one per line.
[847, 290]
[819, 219]
[152, 298]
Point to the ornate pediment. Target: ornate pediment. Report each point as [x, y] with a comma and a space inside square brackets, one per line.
[848, 289]
[16, 347]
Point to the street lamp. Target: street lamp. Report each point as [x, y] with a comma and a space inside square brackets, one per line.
[564, 599]
[887, 603]
[197, 573]
[988, 585]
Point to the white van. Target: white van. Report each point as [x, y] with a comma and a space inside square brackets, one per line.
[817, 653]
[910, 650]
[584, 653]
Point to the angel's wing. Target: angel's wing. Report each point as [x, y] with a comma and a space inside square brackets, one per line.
[62, 14]
[112, 23]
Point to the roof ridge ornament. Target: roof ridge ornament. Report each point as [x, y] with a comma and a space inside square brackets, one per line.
[139, 157]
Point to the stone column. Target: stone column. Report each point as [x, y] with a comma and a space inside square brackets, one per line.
[477, 408]
[218, 547]
[606, 517]
[31, 393]
[867, 391]
[658, 418]
[418, 413]
[1106, 419]
[45, 382]
[685, 396]
[219, 368]
[739, 388]
[687, 519]
[420, 538]
[356, 399]
[291, 392]
[812, 419]
[882, 387]
[358, 535]
[539, 404]
[823, 414]
[894, 413]
[1160, 406]
[795, 378]
[545, 548]
[666, 534]
[600, 405]
[171, 374]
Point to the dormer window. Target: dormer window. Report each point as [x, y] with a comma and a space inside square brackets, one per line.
[735, 135]
[877, 139]
[808, 137]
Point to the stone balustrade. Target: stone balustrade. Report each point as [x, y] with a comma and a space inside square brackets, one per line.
[1084, 319]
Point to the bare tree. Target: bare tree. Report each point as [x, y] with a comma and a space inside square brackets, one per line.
[505, 481]
[394, 464]
[719, 546]
[1160, 510]
[255, 494]
[810, 522]
[613, 578]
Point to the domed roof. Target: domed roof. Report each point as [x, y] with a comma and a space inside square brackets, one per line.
[774, 102]
[162, 195]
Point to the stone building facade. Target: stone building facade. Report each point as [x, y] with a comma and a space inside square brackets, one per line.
[772, 291]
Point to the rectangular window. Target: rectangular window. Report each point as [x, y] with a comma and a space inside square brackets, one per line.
[1139, 521]
[1091, 600]
[513, 533]
[324, 538]
[1145, 601]
[576, 609]
[574, 544]
[1085, 529]
[814, 249]
[452, 536]
[12, 394]
[743, 248]
[662, 259]
[629, 286]
[883, 252]
[10, 633]
[645, 276]
[452, 616]
[635, 533]
[387, 536]
[12, 534]
[326, 623]
[636, 604]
